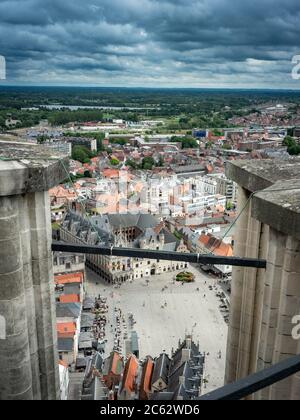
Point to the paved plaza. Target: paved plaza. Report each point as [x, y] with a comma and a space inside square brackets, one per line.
[165, 316]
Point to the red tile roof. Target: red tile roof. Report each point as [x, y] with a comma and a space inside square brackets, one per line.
[216, 245]
[65, 329]
[61, 192]
[129, 375]
[115, 363]
[69, 278]
[110, 173]
[145, 388]
[69, 298]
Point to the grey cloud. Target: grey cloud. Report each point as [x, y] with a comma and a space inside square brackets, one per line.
[146, 41]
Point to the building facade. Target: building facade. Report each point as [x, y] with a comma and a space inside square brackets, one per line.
[141, 231]
[225, 187]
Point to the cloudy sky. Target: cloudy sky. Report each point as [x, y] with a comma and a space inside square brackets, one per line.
[154, 43]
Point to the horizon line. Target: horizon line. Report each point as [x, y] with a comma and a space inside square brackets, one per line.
[283, 89]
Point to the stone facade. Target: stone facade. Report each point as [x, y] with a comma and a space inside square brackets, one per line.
[141, 231]
[28, 354]
[67, 263]
[264, 302]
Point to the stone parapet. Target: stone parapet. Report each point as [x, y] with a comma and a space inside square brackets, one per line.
[264, 302]
[257, 175]
[29, 168]
[28, 353]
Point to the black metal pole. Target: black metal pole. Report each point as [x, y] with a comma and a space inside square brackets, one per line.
[256, 382]
[158, 255]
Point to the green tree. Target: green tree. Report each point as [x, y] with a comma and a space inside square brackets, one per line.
[148, 163]
[293, 147]
[226, 147]
[229, 205]
[187, 142]
[114, 162]
[87, 174]
[288, 141]
[81, 154]
[100, 137]
[294, 150]
[160, 162]
[132, 164]
[41, 139]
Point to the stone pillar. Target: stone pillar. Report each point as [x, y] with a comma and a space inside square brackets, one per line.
[28, 354]
[25, 232]
[245, 295]
[43, 286]
[15, 362]
[264, 302]
[237, 290]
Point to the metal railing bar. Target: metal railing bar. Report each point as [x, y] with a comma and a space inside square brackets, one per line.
[256, 382]
[158, 255]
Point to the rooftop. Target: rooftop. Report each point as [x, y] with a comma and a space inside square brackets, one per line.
[129, 374]
[69, 278]
[66, 329]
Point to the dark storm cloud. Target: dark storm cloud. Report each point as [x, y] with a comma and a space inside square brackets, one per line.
[150, 42]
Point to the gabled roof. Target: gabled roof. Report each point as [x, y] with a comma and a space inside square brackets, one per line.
[161, 369]
[129, 375]
[178, 355]
[216, 245]
[113, 364]
[183, 383]
[145, 386]
[79, 226]
[61, 192]
[174, 382]
[141, 221]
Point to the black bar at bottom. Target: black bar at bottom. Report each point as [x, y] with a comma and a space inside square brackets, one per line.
[158, 255]
[256, 382]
